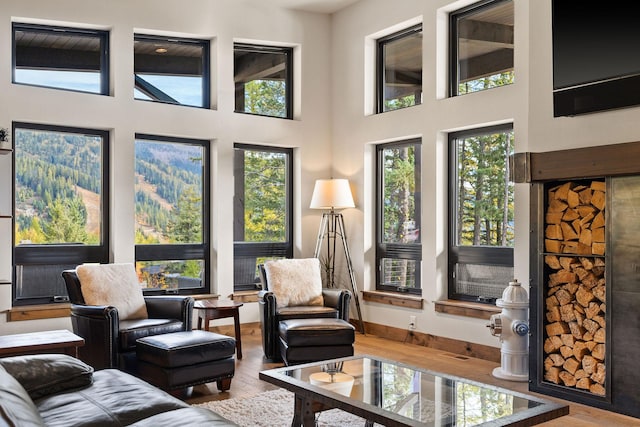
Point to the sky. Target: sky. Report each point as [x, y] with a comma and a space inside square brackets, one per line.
[186, 90]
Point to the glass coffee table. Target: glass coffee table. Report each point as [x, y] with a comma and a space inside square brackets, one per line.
[393, 394]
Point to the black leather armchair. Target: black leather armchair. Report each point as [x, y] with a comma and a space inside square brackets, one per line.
[111, 342]
[336, 306]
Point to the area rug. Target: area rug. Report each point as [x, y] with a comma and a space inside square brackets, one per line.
[274, 408]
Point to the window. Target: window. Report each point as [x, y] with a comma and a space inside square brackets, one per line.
[400, 69]
[171, 70]
[263, 80]
[262, 220]
[481, 43]
[62, 58]
[172, 214]
[61, 205]
[399, 251]
[481, 213]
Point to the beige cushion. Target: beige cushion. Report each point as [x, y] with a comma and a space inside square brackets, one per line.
[295, 282]
[115, 285]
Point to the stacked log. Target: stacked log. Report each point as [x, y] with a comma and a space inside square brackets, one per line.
[575, 219]
[575, 327]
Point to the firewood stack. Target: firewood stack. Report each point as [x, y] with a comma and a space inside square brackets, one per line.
[575, 341]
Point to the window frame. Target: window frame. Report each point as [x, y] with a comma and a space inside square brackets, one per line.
[486, 255]
[454, 69]
[183, 251]
[408, 251]
[262, 249]
[206, 65]
[64, 254]
[258, 48]
[380, 66]
[57, 29]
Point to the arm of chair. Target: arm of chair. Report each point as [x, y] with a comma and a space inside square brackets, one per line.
[171, 307]
[338, 299]
[99, 312]
[98, 325]
[269, 320]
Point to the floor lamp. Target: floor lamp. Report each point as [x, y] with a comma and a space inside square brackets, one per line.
[334, 194]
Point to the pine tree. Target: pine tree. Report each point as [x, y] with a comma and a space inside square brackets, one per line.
[67, 222]
[186, 225]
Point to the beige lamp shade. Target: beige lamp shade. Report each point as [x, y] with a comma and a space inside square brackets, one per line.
[332, 194]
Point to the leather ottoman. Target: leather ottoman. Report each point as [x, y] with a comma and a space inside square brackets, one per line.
[312, 340]
[184, 359]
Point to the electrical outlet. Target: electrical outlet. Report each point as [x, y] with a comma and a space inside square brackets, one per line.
[412, 323]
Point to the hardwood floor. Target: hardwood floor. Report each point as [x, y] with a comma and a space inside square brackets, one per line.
[246, 381]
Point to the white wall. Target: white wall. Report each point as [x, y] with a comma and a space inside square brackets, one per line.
[527, 103]
[222, 21]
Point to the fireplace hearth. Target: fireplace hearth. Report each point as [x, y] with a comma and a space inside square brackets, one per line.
[585, 274]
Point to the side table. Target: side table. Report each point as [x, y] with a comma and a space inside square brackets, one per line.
[218, 309]
[61, 341]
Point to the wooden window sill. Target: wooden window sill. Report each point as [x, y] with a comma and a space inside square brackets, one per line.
[35, 312]
[205, 296]
[466, 309]
[241, 296]
[245, 296]
[392, 298]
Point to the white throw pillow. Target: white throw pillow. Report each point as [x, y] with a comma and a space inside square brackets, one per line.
[295, 281]
[115, 285]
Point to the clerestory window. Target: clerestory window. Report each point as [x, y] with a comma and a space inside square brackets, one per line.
[399, 72]
[481, 43]
[263, 77]
[171, 70]
[61, 57]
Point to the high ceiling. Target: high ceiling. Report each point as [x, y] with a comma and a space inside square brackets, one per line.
[318, 6]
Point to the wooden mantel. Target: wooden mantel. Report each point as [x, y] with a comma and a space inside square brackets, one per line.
[587, 162]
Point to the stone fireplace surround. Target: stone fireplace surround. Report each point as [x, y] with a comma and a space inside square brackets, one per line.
[618, 165]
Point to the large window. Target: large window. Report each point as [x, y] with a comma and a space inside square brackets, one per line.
[263, 80]
[60, 57]
[400, 69]
[481, 213]
[262, 219]
[172, 214]
[481, 46]
[61, 207]
[171, 70]
[399, 249]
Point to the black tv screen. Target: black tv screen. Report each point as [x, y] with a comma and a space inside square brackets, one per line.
[596, 57]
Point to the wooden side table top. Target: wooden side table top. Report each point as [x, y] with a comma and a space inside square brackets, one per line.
[217, 304]
[40, 342]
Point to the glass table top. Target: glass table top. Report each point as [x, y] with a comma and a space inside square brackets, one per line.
[392, 393]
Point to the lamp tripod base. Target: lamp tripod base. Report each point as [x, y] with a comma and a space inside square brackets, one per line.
[332, 226]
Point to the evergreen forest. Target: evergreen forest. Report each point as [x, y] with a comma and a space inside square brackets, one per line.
[58, 193]
[57, 174]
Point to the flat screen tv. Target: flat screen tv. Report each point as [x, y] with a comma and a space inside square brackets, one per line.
[596, 57]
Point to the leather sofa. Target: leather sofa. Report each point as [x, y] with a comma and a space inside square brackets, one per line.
[59, 390]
